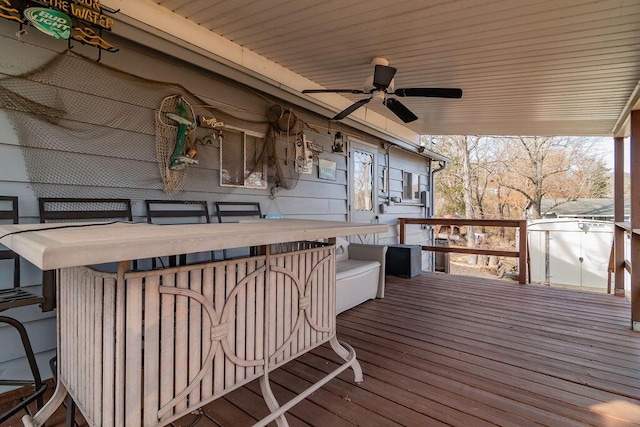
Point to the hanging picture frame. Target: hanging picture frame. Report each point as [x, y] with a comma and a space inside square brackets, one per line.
[304, 156]
[327, 169]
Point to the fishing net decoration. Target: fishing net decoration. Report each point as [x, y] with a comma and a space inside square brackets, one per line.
[166, 140]
[88, 130]
[277, 150]
[85, 129]
[16, 102]
[281, 138]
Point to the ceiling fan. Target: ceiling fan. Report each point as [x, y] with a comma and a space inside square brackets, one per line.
[380, 85]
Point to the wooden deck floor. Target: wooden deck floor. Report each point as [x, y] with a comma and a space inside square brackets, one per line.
[464, 351]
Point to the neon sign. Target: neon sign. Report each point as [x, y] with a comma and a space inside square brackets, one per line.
[50, 21]
[83, 21]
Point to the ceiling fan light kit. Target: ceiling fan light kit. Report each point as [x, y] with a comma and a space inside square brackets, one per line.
[380, 85]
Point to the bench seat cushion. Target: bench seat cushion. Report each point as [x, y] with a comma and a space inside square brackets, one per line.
[357, 282]
[353, 267]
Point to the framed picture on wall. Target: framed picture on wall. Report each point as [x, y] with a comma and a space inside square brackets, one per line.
[326, 169]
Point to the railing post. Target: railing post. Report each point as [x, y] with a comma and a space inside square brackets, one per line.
[522, 257]
[402, 231]
[618, 197]
[634, 151]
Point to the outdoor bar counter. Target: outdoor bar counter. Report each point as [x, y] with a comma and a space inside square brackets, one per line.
[146, 347]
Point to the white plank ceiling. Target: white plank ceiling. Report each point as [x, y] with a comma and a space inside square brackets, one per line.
[527, 67]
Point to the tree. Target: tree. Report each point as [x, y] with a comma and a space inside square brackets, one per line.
[497, 177]
[558, 168]
[476, 174]
[463, 178]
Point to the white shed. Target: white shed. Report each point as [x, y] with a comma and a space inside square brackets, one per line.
[570, 251]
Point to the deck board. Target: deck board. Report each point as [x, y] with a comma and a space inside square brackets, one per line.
[464, 351]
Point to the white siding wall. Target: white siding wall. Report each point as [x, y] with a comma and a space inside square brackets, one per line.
[313, 198]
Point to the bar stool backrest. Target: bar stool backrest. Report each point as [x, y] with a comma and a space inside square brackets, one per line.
[234, 211]
[9, 214]
[17, 297]
[62, 209]
[78, 209]
[185, 212]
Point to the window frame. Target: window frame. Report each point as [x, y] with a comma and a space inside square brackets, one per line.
[244, 133]
[410, 182]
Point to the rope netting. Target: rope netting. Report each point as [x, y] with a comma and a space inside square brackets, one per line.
[89, 130]
[280, 146]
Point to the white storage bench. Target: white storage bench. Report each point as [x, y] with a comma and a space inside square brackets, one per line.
[360, 273]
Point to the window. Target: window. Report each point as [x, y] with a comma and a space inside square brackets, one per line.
[410, 186]
[363, 181]
[241, 161]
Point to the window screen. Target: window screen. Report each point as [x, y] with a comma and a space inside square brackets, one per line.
[241, 160]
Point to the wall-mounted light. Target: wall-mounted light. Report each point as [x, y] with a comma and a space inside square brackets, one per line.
[338, 143]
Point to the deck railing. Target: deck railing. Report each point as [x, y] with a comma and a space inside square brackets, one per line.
[622, 260]
[521, 253]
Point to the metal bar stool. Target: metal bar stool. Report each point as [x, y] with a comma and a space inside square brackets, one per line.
[194, 211]
[16, 297]
[79, 209]
[234, 211]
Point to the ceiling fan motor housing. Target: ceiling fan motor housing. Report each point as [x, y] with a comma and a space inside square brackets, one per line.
[381, 84]
[378, 95]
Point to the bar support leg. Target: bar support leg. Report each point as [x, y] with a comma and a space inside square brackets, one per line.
[271, 401]
[347, 355]
[48, 409]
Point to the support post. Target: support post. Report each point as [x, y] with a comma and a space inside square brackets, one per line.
[618, 197]
[634, 151]
[522, 253]
[403, 224]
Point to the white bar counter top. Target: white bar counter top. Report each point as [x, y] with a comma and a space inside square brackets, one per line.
[59, 245]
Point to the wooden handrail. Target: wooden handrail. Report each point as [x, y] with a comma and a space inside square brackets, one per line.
[620, 262]
[626, 227]
[521, 253]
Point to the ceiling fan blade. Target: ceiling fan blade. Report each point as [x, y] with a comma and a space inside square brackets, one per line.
[382, 76]
[357, 91]
[350, 109]
[430, 92]
[400, 110]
